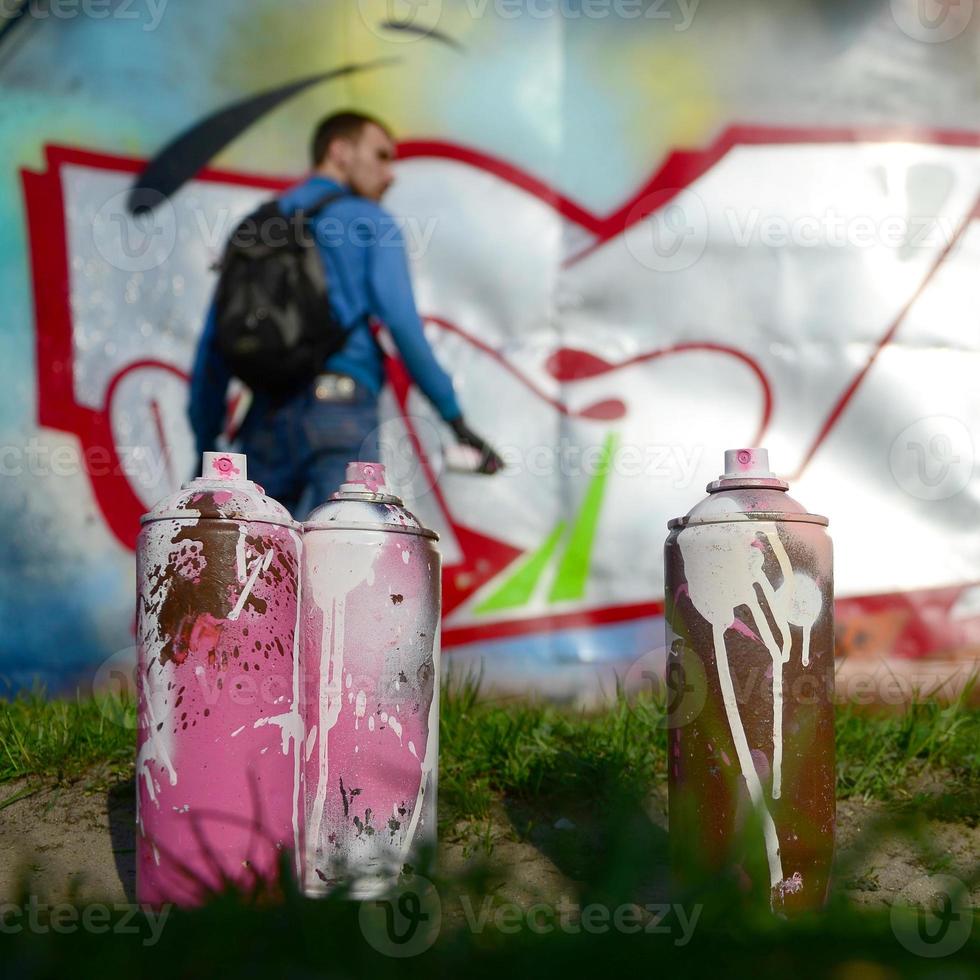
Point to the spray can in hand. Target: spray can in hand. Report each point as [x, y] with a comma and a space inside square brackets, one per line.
[370, 677]
[750, 664]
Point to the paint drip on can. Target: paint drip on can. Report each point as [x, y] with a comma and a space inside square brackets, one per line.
[750, 668]
[370, 677]
[219, 730]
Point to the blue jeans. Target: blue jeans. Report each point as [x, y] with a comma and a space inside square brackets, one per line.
[299, 451]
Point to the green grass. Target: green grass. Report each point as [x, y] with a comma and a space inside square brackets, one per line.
[65, 740]
[526, 751]
[879, 754]
[536, 761]
[523, 751]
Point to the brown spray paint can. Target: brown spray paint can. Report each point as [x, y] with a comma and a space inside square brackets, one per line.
[750, 663]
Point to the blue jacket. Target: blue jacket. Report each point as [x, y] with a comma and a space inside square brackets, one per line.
[364, 253]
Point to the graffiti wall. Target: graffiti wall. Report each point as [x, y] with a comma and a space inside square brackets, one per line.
[642, 231]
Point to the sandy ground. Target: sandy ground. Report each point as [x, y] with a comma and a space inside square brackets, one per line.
[76, 843]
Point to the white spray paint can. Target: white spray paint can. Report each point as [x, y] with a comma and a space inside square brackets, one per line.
[750, 667]
[370, 679]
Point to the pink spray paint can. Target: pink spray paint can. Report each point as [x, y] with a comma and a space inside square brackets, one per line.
[219, 725]
[370, 676]
[750, 667]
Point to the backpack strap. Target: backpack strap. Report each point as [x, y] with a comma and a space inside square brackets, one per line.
[319, 204]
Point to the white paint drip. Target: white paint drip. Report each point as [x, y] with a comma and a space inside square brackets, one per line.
[297, 729]
[775, 651]
[240, 553]
[430, 764]
[359, 708]
[371, 723]
[331, 659]
[720, 577]
[802, 606]
[745, 757]
[310, 742]
[156, 747]
[290, 725]
[157, 679]
[261, 564]
[806, 644]
[330, 595]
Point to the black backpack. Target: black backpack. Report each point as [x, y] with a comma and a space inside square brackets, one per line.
[274, 323]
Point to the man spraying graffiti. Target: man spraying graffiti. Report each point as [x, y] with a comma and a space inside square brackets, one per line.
[301, 282]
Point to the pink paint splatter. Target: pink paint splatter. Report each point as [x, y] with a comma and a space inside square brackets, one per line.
[739, 627]
[790, 886]
[204, 635]
[225, 467]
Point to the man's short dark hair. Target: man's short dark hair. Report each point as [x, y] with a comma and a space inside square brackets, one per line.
[341, 125]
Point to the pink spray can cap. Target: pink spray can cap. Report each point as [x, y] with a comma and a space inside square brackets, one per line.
[225, 466]
[368, 477]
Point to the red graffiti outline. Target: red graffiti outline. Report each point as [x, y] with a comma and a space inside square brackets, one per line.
[494, 554]
[58, 409]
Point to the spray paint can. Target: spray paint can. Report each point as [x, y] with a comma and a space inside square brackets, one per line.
[219, 731]
[370, 670]
[750, 666]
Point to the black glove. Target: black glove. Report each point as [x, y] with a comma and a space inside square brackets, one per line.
[490, 462]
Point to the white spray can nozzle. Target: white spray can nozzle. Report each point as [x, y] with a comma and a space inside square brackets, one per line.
[364, 477]
[742, 463]
[224, 466]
